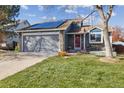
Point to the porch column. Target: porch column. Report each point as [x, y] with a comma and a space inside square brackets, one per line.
[84, 42]
[61, 40]
[21, 42]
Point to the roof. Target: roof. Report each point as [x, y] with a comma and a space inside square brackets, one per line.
[109, 27]
[118, 43]
[87, 28]
[60, 25]
[16, 26]
[48, 26]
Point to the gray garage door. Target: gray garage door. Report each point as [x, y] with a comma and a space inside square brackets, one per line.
[41, 43]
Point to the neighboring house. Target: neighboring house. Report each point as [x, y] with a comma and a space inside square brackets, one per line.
[64, 35]
[9, 37]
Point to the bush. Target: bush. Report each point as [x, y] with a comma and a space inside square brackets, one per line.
[62, 53]
[17, 49]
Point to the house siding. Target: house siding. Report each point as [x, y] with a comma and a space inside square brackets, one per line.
[95, 46]
[61, 40]
[82, 41]
[87, 44]
[20, 42]
[70, 42]
[8, 38]
[66, 38]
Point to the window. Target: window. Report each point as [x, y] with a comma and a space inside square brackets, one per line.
[95, 36]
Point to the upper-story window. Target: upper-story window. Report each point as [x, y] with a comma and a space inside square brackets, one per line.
[95, 36]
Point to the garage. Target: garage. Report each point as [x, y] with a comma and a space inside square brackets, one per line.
[43, 38]
[48, 43]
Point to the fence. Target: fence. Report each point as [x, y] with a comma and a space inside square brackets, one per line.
[119, 49]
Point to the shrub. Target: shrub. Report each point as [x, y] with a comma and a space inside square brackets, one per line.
[17, 49]
[62, 53]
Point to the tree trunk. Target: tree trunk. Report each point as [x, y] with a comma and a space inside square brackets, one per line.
[108, 46]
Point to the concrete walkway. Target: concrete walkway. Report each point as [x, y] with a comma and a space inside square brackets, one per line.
[11, 64]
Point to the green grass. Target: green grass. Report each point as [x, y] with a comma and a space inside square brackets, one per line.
[76, 71]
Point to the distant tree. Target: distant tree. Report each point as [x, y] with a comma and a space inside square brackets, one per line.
[8, 13]
[118, 34]
[105, 13]
[122, 36]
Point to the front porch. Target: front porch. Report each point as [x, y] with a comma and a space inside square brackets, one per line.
[83, 40]
[75, 42]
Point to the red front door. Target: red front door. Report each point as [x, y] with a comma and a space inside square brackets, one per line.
[77, 42]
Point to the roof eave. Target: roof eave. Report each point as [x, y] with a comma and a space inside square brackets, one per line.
[37, 30]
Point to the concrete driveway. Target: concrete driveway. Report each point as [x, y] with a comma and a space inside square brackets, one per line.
[11, 63]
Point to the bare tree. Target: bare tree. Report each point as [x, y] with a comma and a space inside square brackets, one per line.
[105, 13]
[118, 34]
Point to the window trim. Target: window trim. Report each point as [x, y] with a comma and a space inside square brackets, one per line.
[95, 42]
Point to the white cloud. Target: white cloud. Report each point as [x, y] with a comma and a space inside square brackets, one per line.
[73, 7]
[40, 7]
[70, 11]
[82, 15]
[53, 18]
[24, 7]
[48, 18]
[114, 14]
[43, 17]
[30, 15]
[87, 6]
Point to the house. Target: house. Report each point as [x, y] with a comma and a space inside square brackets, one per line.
[63, 35]
[9, 37]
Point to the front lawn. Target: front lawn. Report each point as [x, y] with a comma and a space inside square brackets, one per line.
[75, 71]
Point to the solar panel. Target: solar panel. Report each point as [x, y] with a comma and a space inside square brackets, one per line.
[45, 25]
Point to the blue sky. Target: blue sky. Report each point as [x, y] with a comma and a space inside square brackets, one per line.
[36, 14]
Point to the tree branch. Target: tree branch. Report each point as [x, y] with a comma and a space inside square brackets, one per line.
[110, 12]
[101, 11]
[88, 15]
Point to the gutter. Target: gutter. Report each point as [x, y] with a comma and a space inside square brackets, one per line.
[38, 30]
